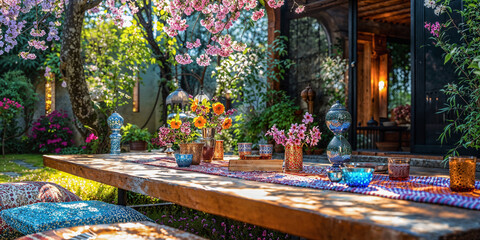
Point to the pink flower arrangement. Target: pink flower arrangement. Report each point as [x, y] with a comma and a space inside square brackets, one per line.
[402, 113]
[183, 134]
[298, 134]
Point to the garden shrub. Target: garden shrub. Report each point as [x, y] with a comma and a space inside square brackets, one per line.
[52, 133]
[16, 86]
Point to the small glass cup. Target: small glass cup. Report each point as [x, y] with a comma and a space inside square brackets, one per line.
[398, 169]
[244, 149]
[462, 173]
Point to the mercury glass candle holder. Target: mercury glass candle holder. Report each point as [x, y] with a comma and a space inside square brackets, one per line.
[357, 177]
[462, 173]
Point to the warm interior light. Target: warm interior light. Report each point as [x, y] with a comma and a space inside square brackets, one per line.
[381, 85]
[49, 96]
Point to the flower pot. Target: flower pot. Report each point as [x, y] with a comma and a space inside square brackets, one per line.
[138, 146]
[293, 158]
[192, 148]
[209, 147]
[218, 155]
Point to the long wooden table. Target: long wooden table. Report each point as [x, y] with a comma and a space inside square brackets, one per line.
[304, 212]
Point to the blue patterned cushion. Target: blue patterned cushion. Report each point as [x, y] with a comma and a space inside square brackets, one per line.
[41, 217]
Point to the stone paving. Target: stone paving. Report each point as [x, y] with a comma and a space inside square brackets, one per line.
[25, 164]
[20, 163]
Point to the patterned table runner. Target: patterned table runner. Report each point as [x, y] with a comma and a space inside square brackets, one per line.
[417, 188]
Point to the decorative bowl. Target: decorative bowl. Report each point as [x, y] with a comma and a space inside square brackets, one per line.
[335, 175]
[357, 177]
[184, 160]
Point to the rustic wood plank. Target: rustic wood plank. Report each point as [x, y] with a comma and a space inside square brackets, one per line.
[274, 165]
[305, 212]
[133, 230]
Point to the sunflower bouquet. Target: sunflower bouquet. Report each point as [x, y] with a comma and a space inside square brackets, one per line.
[211, 114]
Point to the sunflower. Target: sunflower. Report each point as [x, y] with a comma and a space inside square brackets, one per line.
[175, 124]
[218, 108]
[194, 105]
[199, 122]
[227, 123]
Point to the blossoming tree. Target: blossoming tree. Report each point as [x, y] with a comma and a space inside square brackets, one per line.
[169, 17]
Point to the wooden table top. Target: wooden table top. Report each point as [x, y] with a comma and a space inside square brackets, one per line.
[304, 212]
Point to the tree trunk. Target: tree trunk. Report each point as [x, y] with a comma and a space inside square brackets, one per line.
[71, 67]
[166, 72]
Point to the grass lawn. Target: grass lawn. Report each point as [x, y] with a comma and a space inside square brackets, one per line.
[197, 222]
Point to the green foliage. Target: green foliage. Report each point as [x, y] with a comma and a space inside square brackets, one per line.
[252, 125]
[16, 86]
[399, 79]
[244, 77]
[332, 72]
[72, 150]
[114, 59]
[463, 98]
[133, 133]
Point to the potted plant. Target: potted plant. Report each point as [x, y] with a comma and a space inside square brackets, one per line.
[137, 138]
[401, 114]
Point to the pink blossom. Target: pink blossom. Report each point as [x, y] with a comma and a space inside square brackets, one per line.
[183, 59]
[300, 9]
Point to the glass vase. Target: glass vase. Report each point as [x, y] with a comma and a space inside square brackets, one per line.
[293, 158]
[209, 144]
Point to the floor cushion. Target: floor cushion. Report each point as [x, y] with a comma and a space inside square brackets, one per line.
[130, 231]
[41, 217]
[23, 193]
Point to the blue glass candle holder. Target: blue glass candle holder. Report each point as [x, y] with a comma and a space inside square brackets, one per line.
[357, 177]
[184, 160]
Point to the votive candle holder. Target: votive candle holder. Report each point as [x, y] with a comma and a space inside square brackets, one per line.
[357, 177]
[398, 169]
[462, 173]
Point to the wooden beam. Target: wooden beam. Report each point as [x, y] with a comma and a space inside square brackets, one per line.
[395, 7]
[388, 14]
[363, 6]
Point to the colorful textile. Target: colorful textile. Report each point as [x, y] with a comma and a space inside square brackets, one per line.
[23, 193]
[417, 188]
[40, 217]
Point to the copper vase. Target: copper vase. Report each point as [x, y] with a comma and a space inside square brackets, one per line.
[218, 155]
[293, 158]
[192, 148]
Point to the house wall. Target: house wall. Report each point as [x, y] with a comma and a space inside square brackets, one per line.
[148, 93]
